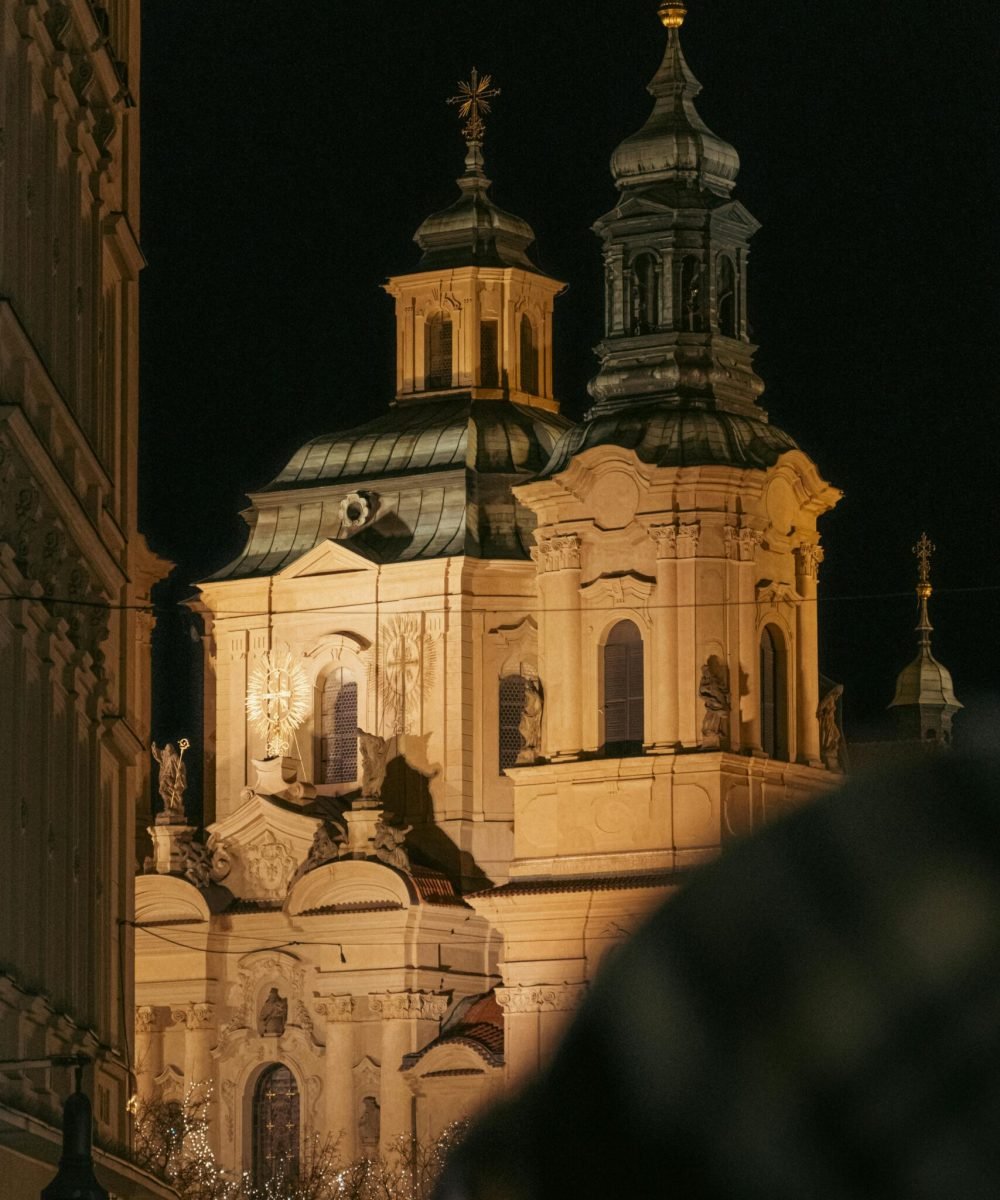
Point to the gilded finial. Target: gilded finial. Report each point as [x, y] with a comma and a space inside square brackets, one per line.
[672, 13]
[473, 101]
[923, 550]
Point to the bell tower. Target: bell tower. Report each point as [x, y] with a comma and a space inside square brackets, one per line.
[675, 256]
[476, 317]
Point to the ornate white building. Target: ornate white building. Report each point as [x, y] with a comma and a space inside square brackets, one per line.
[587, 654]
[74, 575]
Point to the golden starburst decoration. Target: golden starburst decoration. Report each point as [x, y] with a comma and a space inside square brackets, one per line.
[279, 698]
[473, 101]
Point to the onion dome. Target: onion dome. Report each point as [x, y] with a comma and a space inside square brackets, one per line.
[474, 231]
[675, 144]
[925, 696]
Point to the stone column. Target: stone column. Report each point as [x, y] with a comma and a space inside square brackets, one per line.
[663, 687]
[557, 557]
[199, 1035]
[534, 1020]
[409, 1021]
[742, 545]
[341, 1118]
[148, 1051]
[688, 668]
[807, 560]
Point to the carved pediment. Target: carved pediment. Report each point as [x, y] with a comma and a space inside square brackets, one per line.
[627, 590]
[327, 558]
[772, 592]
[265, 846]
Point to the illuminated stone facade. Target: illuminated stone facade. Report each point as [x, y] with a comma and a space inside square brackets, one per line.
[74, 646]
[590, 652]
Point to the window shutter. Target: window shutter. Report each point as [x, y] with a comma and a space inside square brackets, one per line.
[616, 693]
[339, 728]
[511, 708]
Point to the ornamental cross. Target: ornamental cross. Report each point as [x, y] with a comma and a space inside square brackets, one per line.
[473, 101]
[923, 550]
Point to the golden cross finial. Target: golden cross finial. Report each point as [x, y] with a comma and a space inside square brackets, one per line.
[923, 550]
[473, 102]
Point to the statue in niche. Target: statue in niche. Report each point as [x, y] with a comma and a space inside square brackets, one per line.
[830, 736]
[374, 761]
[389, 845]
[173, 781]
[714, 690]
[530, 725]
[370, 1123]
[273, 1014]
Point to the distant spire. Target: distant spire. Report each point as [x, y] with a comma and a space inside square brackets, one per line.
[924, 549]
[925, 696]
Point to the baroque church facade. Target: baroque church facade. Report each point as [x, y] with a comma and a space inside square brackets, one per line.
[484, 684]
[75, 576]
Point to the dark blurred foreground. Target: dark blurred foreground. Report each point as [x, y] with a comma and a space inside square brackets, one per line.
[816, 1016]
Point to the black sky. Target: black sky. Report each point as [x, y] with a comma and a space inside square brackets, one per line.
[290, 151]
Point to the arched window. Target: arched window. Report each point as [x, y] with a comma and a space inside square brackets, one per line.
[439, 371]
[489, 354]
[339, 728]
[773, 694]
[276, 1134]
[645, 294]
[690, 311]
[623, 691]
[529, 356]
[725, 289]
[511, 710]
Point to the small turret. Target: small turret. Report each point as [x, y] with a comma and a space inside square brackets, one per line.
[925, 698]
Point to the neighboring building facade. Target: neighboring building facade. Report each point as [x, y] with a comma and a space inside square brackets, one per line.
[583, 658]
[74, 649]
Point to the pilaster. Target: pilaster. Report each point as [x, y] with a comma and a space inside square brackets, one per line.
[808, 556]
[557, 557]
[409, 1021]
[341, 1119]
[663, 685]
[688, 537]
[534, 1019]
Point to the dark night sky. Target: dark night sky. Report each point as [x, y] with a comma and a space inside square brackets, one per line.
[289, 153]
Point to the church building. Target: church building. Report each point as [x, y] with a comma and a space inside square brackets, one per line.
[484, 683]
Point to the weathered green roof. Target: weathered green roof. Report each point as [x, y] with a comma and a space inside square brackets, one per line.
[439, 474]
[665, 435]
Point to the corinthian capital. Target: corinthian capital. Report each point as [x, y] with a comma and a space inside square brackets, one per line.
[145, 1018]
[194, 1016]
[557, 998]
[336, 1008]
[665, 537]
[742, 543]
[401, 1006]
[688, 537]
[807, 560]
[557, 552]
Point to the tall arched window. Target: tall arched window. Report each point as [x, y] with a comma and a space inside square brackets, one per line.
[645, 294]
[511, 710]
[725, 290]
[339, 728]
[623, 691]
[690, 297]
[529, 356]
[276, 1132]
[439, 370]
[773, 694]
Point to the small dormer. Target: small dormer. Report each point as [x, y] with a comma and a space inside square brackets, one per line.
[476, 316]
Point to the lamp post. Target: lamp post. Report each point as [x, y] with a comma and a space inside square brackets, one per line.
[75, 1178]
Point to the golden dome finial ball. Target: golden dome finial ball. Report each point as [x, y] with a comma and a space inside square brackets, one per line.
[672, 14]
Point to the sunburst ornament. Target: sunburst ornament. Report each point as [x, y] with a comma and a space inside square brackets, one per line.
[279, 698]
[473, 103]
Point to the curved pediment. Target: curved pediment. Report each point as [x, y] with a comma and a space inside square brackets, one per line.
[168, 898]
[349, 884]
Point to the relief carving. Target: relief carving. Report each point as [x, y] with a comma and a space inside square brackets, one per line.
[395, 1006]
[559, 998]
[556, 552]
[270, 864]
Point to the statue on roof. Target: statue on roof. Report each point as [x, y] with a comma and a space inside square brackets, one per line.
[389, 843]
[830, 736]
[714, 690]
[530, 726]
[374, 763]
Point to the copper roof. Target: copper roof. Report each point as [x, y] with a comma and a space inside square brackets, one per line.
[476, 1022]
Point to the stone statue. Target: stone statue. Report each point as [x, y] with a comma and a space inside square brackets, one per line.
[374, 760]
[388, 844]
[714, 690]
[273, 1014]
[173, 781]
[370, 1124]
[530, 726]
[325, 848]
[830, 737]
